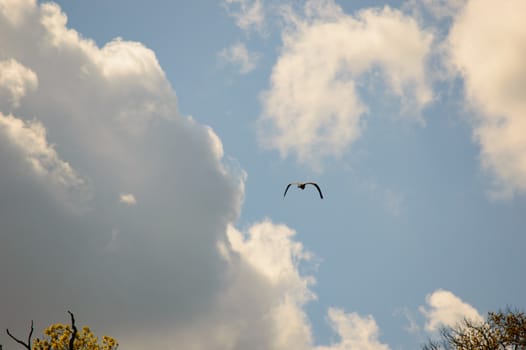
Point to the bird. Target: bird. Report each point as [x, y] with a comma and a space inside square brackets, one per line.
[301, 185]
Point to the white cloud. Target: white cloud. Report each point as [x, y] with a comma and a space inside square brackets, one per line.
[270, 251]
[238, 54]
[249, 14]
[487, 48]
[105, 119]
[446, 309]
[28, 142]
[127, 198]
[15, 81]
[313, 108]
[356, 332]
[14, 11]
[261, 305]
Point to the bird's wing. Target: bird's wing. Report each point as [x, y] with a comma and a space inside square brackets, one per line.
[317, 187]
[286, 189]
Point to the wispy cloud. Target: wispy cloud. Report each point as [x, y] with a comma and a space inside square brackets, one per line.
[238, 55]
[127, 198]
[249, 14]
[392, 201]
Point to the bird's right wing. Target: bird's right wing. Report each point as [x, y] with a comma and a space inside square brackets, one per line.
[286, 189]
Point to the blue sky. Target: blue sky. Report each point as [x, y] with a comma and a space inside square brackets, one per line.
[145, 148]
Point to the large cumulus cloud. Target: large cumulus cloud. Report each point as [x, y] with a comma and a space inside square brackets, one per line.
[80, 126]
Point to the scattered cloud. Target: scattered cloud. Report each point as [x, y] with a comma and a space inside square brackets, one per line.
[413, 326]
[270, 250]
[496, 86]
[127, 198]
[237, 54]
[248, 14]
[446, 309]
[313, 108]
[392, 201]
[356, 332]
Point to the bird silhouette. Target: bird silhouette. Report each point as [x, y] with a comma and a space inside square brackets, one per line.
[301, 185]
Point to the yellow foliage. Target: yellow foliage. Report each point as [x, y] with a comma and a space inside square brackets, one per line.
[57, 337]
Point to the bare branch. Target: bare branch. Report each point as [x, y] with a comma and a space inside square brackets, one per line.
[74, 334]
[30, 334]
[25, 345]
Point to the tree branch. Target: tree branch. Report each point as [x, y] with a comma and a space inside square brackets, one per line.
[74, 334]
[30, 334]
[28, 345]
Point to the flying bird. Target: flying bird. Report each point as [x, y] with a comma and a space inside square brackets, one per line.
[301, 185]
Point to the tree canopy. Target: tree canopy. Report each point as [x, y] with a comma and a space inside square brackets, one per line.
[66, 337]
[503, 330]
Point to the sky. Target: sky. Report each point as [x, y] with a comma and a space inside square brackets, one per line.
[145, 148]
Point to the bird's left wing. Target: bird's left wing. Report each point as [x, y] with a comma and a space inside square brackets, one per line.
[317, 187]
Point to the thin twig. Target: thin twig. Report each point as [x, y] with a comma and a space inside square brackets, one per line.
[29, 336]
[74, 334]
[28, 345]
